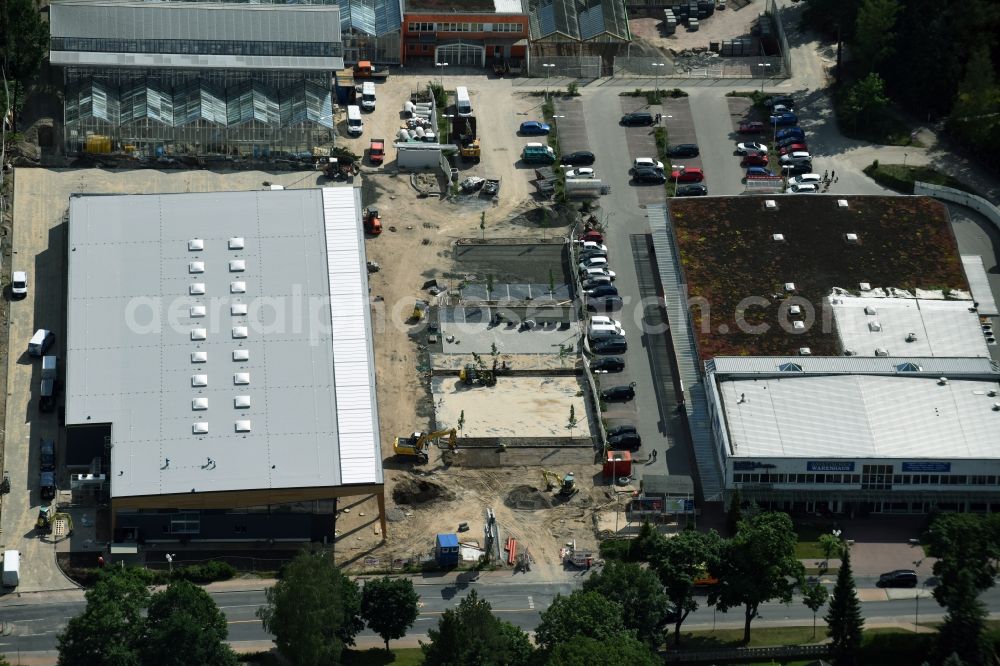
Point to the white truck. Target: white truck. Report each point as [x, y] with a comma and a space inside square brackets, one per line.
[11, 568]
[50, 383]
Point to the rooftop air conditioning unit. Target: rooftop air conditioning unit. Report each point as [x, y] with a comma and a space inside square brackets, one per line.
[798, 325]
[879, 351]
[942, 381]
[850, 352]
[865, 286]
[196, 244]
[778, 238]
[912, 337]
[874, 326]
[794, 309]
[805, 351]
[770, 204]
[842, 203]
[870, 310]
[789, 286]
[851, 238]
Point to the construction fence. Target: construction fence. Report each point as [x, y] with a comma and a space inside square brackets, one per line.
[576, 67]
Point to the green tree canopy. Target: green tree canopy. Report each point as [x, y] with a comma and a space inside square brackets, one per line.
[843, 618]
[758, 564]
[678, 561]
[312, 611]
[389, 606]
[108, 631]
[814, 595]
[639, 593]
[579, 614]
[184, 626]
[873, 33]
[735, 514]
[621, 650]
[863, 98]
[962, 632]
[471, 634]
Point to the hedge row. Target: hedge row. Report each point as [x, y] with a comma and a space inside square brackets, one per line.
[195, 573]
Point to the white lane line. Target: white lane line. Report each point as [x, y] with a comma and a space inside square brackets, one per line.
[531, 602]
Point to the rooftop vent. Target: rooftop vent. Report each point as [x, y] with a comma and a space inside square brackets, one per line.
[197, 289]
[241, 402]
[199, 334]
[196, 244]
[241, 354]
[842, 203]
[237, 265]
[996, 406]
[850, 352]
[241, 378]
[236, 243]
[198, 310]
[874, 326]
[239, 331]
[794, 310]
[200, 428]
[199, 404]
[778, 238]
[805, 351]
[199, 380]
[911, 337]
[237, 287]
[879, 351]
[789, 286]
[851, 238]
[870, 310]
[196, 267]
[199, 357]
[770, 204]
[865, 286]
[243, 426]
[942, 381]
[798, 325]
[237, 309]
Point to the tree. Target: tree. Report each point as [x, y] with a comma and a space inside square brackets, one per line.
[580, 614]
[831, 545]
[735, 513]
[312, 611]
[461, 421]
[571, 422]
[185, 626]
[640, 594]
[621, 650]
[814, 595]
[975, 117]
[756, 565]
[962, 632]
[873, 36]
[865, 97]
[678, 561]
[843, 617]
[471, 634]
[23, 45]
[390, 607]
[109, 628]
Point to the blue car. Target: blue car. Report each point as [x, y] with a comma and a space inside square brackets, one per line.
[790, 133]
[534, 128]
[786, 118]
[759, 171]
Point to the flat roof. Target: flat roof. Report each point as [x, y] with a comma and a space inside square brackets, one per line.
[861, 416]
[200, 327]
[466, 6]
[729, 253]
[979, 283]
[908, 327]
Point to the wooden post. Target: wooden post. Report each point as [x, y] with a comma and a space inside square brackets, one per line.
[381, 510]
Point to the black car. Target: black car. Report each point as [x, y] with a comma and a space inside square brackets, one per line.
[693, 190]
[579, 158]
[898, 578]
[592, 252]
[622, 393]
[47, 483]
[783, 100]
[795, 169]
[47, 455]
[595, 282]
[608, 364]
[684, 150]
[605, 304]
[639, 119]
[649, 175]
[621, 430]
[626, 440]
[616, 344]
[789, 141]
[603, 290]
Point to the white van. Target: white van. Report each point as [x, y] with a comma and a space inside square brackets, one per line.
[11, 568]
[355, 126]
[601, 331]
[368, 96]
[40, 342]
[463, 105]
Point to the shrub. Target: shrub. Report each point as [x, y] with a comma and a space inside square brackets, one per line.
[205, 573]
[572, 89]
[677, 92]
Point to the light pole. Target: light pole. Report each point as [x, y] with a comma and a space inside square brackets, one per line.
[904, 160]
[170, 561]
[442, 65]
[916, 598]
[656, 78]
[555, 125]
[676, 168]
[548, 69]
[447, 125]
[762, 65]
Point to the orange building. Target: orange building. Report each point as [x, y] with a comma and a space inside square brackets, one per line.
[464, 32]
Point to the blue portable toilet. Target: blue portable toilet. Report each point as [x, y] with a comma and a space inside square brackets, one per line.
[446, 551]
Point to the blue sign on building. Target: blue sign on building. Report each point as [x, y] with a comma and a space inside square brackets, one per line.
[819, 466]
[927, 467]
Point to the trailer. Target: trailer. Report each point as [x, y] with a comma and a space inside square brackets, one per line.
[578, 188]
[491, 188]
[366, 70]
[344, 88]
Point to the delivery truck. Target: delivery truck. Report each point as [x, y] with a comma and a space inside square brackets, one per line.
[11, 568]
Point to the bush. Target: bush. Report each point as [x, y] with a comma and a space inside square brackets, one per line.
[205, 573]
[677, 92]
[572, 89]
[895, 648]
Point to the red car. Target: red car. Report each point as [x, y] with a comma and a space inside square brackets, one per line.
[688, 175]
[592, 236]
[793, 148]
[753, 159]
[751, 127]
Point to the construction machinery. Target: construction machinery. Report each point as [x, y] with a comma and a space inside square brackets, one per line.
[415, 445]
[463, 131]
[567, 484]
[372, 221]
[365, 70]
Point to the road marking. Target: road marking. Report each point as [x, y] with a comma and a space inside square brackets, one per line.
[243, 606]
[495, 610]
[531, 602]
[242, 621]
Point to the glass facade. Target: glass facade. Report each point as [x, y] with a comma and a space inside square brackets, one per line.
[197, 47]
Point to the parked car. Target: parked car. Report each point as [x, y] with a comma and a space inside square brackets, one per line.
[804, 188]
[47, 455]
[621, 430]
[47, 485]
[605, 303]
[593, 262]
[898, 578]
[580, 172]
[608, 364]
[685, 175]
[797, 157]
[579, 158]
[813, 178]
[605, 321]
[649, 175]
[622, 393]
[592, 235]
[647, 162]
[593, 283]
[753, 159]
[751, 127]
[593, 245]
[592, 252]
[780, 108]
[534, 128]
[790, 132]
[593, 272]
[787, 118]
[789, 140]
[684, 150]
[616, 344]
[637, 119]
[18, 284]
[758, 171]
[783, 100]
[797, 167]
[693, 190]
[607, 289]
[794, 148]
[746, 147]
[629, 440]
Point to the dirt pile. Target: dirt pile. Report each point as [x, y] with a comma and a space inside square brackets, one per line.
[414, 492]
[527, 498]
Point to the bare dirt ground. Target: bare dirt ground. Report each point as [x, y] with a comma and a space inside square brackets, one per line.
[725, 24]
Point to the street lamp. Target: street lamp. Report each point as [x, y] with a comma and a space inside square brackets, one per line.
[442, 65]
[762, 65]
[904, 160]
[555, 125]
[916, 598]
[547, 67]
[656, 78]
[447, 125]
[676, 168]
[170, 561]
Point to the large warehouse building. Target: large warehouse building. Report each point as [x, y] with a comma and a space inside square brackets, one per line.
[836, 354]
[162, 78]
[209, 378]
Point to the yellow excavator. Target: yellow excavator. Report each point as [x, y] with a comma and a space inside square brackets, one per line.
[567, 484]
[414, 446]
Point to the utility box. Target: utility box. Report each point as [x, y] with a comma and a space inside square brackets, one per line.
[446, 550]
[11, 568]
